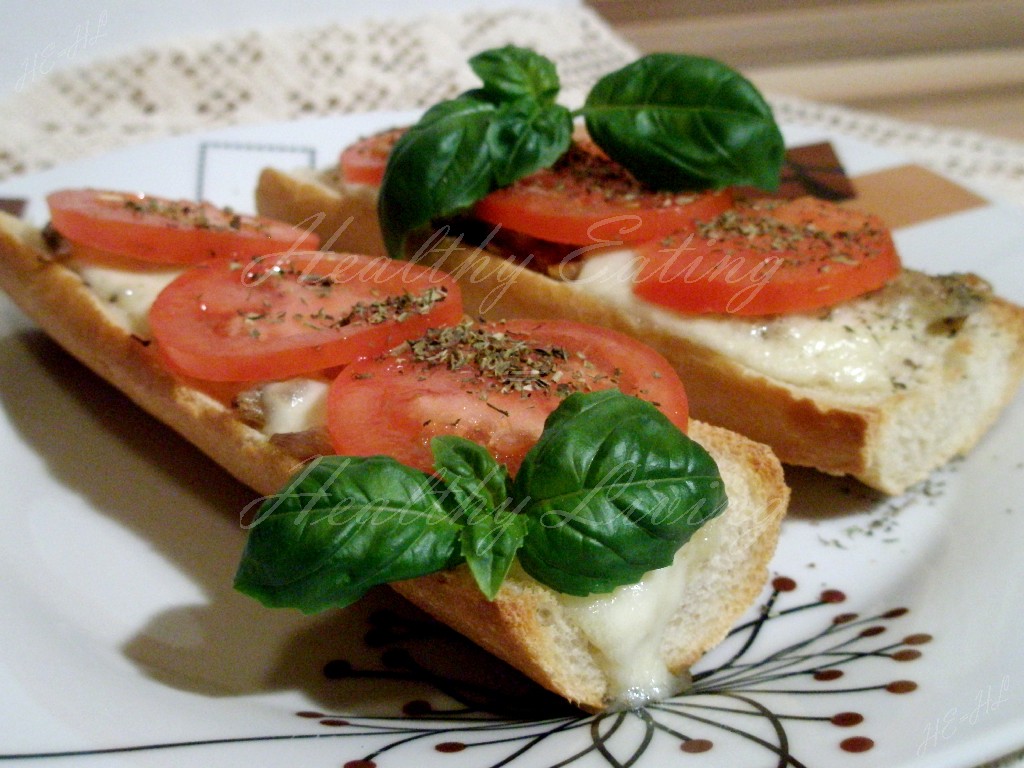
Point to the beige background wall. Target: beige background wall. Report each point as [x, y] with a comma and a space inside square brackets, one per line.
[948, 62]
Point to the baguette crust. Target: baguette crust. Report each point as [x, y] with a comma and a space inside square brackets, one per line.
[351, 219]
[889, 442]
[524, 625]
[57, 300]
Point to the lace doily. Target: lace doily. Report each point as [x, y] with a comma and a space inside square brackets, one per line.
[259, 77]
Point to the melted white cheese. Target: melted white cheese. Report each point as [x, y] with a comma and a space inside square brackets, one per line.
[126, 295]
[294, 405]
[863, 345]
[626, 628]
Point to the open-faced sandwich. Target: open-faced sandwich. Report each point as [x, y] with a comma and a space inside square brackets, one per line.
[538, 485]
[790, 321]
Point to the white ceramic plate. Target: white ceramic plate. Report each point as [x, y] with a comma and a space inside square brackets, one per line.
[889, 636]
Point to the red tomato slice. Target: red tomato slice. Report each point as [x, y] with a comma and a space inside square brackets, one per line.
[364, 162]
[294, 313]
[494, 384]
[586, 198]
[164, 231]
[769, 257]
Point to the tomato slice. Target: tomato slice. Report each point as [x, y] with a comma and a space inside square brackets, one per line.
[164, 231]
[494, 384]
[769, 257]
[293, 313]
[364, 162]
[584, 199]
[587, 198]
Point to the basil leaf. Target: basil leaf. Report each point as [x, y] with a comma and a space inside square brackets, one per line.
[611, 490]
[462, 149]
[479, 488]
[511, 73]
[685, 122]
[342, 526]
[440, 166]
[471, 476]
[489, 544]
[525, 137]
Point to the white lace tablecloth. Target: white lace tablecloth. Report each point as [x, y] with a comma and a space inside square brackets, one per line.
[257, 77]
[260, 77]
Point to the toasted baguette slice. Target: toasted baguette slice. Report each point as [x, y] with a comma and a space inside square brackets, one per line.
[528, 624]
[725, 566]
[970, 345]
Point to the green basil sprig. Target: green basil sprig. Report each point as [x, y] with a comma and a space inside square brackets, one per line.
[342, 526]
[685, 122]
[676, 122]
[611, 490]
[480, 488]
[464, 148]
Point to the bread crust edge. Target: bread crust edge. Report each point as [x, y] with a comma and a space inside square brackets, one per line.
[804, 427]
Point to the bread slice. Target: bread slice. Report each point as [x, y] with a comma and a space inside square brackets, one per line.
[968, 350]
[528, 625]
